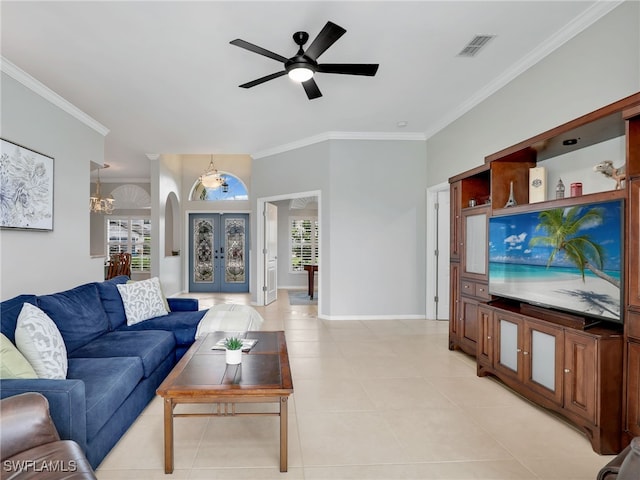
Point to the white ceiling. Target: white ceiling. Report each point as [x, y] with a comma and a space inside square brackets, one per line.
[163, 78]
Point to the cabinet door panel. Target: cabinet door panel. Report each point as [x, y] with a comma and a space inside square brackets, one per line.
[474, 249]
[542, 357]
[634, 243]
[470, 320]
[484, 354]
[580, 371]
[543, 350]
[508, 345]
[454, 299]
[632, 420]
[455, 239]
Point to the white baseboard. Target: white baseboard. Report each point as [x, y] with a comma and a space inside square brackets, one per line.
[372, 317]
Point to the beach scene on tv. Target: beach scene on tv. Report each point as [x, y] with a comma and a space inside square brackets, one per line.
[565, 258]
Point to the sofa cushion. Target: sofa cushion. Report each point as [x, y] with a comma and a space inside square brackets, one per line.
[12, 362]
[151, 346]
[112, 301]
[179, 304]
[78, 313]
[108, 382]
[142, 300]
[39, 340]
[183, 325]
[9, 311]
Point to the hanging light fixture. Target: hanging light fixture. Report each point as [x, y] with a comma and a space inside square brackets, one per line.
[211, 178]
[99, 204]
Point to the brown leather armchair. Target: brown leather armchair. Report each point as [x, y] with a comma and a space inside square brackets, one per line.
[30, 445]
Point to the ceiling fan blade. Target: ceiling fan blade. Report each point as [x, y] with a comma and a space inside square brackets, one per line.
[329, 34]
[256, 49]
[368, 69]
[312, 89]
[263, 79]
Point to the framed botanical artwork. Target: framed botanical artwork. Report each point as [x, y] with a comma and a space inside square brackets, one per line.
[26, 188]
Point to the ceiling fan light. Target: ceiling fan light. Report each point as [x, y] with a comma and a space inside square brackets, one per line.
[300, 74]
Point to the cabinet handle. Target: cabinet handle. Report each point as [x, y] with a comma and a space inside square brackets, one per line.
[481, 289]
[566, 370]
[518, 350]
[525, 353]
[489, 337]
[466, 286]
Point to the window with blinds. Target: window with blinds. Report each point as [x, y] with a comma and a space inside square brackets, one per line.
[304, 243]
[131, 235]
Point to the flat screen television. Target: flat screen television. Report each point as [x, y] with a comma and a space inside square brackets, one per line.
[567, 258]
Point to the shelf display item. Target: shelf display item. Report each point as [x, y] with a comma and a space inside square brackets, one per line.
[537, 184]
[512, 199]
[560, 189]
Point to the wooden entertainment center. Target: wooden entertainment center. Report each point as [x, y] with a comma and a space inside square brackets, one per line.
[589, 374]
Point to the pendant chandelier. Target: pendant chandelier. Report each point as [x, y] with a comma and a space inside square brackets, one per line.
[99, 204]
[211, 178]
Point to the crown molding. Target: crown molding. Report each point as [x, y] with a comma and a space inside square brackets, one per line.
[555, 41]
[45, 92]
[323, 137]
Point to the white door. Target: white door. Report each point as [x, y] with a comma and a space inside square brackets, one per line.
[270, 253]
[437, 272]
[442, 281]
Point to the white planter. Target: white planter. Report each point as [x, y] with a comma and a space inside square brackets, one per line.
[234, 357]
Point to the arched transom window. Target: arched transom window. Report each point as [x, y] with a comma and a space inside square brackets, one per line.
[231, 189]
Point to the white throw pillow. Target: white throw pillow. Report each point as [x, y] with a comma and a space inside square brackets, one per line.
[142, 300]
[39, 340]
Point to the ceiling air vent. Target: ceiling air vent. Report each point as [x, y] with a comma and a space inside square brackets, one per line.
[474, 46]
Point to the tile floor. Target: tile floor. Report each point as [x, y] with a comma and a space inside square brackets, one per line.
[373, 400]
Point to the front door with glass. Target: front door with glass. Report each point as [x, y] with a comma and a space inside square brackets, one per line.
[218, 252]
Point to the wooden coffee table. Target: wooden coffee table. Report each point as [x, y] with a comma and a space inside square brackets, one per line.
[202, 376]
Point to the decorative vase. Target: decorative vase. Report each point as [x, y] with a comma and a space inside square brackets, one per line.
[512, 199]
[234, 357]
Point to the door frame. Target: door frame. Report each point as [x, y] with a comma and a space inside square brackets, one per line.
[185, 234]
[432, 226]
[260, 246]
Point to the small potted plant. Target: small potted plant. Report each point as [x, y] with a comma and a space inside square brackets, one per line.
[233, 346]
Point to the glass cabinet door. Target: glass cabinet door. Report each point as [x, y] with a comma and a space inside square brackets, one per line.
[475, 243]
[543, 359]
[543, 355]
[509, 348]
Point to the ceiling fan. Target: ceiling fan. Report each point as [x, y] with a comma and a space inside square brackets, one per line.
[302, 66]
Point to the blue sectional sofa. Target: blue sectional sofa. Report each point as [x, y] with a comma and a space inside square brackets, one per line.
[113, 369]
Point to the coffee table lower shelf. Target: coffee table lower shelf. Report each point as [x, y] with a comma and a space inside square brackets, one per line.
[223, 410]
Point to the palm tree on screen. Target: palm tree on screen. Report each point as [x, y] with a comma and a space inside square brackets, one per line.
[562, 228]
